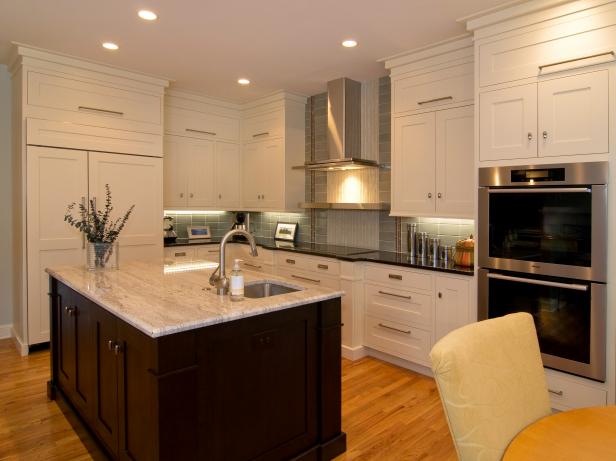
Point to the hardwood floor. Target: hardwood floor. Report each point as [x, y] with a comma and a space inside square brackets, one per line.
[388, 413]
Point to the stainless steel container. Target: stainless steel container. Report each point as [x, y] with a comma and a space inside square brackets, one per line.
[446, 253]
[421, 245]
[411, 235]
[435, 243]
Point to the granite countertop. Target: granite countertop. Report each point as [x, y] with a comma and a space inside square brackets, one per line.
[344, 253]
[160, 299]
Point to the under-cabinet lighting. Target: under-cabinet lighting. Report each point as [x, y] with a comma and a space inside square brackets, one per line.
[243, 81]
[147, 15]
[350, 43]
[110, 46]
[166, 212]
[189, 266]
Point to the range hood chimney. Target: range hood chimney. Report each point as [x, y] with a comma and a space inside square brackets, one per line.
[343, 128]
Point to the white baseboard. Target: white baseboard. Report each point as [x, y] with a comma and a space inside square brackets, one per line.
[353, 353]
[400, 362]
[22, 347]
[6, 331]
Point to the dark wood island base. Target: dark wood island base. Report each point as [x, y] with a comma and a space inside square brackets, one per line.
[262, 388]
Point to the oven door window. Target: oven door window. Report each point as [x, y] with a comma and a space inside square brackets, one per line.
[562, 316]
[550, 227]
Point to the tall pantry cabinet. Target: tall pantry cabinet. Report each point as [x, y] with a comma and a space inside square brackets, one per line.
[78, 126]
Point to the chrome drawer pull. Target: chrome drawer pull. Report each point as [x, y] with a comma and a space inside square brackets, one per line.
[545, 283]
[290, 261]
[182, 253]
[191, 130]
[393, 294]
[428, 101]
[212, 251]
[256, 135]
[106, 111]
[253, 265]
[567, 61]
[543, 190]
[323, 266]
[552, 391]
[305, 278]
[406, 332]
[395, 276]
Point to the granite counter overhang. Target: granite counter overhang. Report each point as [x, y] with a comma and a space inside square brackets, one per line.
[159, 302]
[344, 254]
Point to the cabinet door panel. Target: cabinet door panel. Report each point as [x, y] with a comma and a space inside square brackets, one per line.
[175, 173]
[413, 165]
[66, 341]
[227, 175]
[55, 178]
[251, 174]
[508, 123]
[271, 175]
[573, 115]
[455, 189]
[134, 181]
[452, 305]
[200, 173]
[85, 357]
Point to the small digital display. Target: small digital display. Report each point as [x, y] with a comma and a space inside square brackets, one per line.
[199, 231]
[538, 175]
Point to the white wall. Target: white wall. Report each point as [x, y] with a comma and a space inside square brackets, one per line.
[5, 202]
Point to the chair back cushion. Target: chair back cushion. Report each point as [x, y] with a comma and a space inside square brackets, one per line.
[492, 384]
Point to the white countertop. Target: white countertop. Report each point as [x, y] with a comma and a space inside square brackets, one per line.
[161, 299]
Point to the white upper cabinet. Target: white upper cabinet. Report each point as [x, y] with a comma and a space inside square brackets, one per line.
[227, 174]
[454, 162]
[508, 123]
[574, 115]
[186, 122]
[265, 125]
[413, 165]
[200, 173]
[175, 165]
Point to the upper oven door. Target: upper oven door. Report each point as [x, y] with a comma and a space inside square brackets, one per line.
[558, 231]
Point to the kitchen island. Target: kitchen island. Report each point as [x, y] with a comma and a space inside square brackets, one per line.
[159, 367]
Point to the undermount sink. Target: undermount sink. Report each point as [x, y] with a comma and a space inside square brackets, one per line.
[266, 289]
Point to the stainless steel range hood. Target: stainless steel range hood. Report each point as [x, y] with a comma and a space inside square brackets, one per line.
[343, 128]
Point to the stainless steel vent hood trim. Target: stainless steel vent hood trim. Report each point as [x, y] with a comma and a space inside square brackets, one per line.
[343, 128]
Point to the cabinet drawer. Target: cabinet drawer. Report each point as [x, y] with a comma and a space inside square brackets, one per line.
[262, 126]
[448, 86]
[94, 100]
[264, 255]
[532, 54]
[567, 392]
[399, 305]
[310, 278]
[207, 252]
[309, 263]
[398, 339]
[180, 253]
[400, 278]
[185, 122]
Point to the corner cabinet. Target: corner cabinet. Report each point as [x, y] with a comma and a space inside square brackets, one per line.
[273, 135]
[432, 160]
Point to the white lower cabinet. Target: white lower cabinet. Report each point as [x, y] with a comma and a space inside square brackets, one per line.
[567, 392]
[452, 308]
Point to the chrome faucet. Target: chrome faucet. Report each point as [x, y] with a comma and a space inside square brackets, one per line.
[219, 277]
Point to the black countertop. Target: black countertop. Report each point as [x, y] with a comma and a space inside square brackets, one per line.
[343, 253]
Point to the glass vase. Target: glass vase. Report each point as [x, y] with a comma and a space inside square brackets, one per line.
[102, 256]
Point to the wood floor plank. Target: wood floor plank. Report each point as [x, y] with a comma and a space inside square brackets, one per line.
[388, 413]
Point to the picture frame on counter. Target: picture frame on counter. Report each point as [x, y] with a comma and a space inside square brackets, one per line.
[286, 231]
[199, 232]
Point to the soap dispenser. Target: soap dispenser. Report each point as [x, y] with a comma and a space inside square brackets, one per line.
[236, 285]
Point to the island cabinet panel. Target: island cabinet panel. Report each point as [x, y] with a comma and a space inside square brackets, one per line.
[262, 388]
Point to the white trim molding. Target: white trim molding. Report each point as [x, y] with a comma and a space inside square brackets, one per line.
[21, 347]
[353, 353]
[6, 331]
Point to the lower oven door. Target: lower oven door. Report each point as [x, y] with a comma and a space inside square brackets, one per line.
[569, 316]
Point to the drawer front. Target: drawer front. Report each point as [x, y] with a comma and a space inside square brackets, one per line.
[448, 86]
[180, 253]
[207, 252]
[400, 278]
[400, 305]
[263, 126]
[398, 339]
[242, 251]
[310, 278]
[532, 54]
[184, 122]
[566, 393]
[100, 101]
[317, 265]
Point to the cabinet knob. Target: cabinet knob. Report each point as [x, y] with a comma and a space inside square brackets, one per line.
[545, 135]
[117, 349]
[70, 310]
[110, 345]
[219, 196]
[440, 195]
[429, 194]
[263, 197]
[192, 195]
[440, 295]
[530, 136]
[181, 194]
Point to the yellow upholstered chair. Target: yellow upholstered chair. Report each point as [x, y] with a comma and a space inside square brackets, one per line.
[491, 381]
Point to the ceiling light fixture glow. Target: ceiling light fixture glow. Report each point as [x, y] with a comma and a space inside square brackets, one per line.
[147, 15]
[243, 81]
[349, 43]
[110, 46]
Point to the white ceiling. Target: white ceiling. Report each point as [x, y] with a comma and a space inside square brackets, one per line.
[204, 46]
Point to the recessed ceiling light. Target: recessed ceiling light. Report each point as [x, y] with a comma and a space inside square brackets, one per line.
[243, 81]
[147, 15]
[349, 43]
[110, 46]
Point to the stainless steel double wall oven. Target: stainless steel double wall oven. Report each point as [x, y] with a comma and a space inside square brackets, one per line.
[543, 250]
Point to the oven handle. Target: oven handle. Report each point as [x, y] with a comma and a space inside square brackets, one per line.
[534, 190]
[567, 286]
